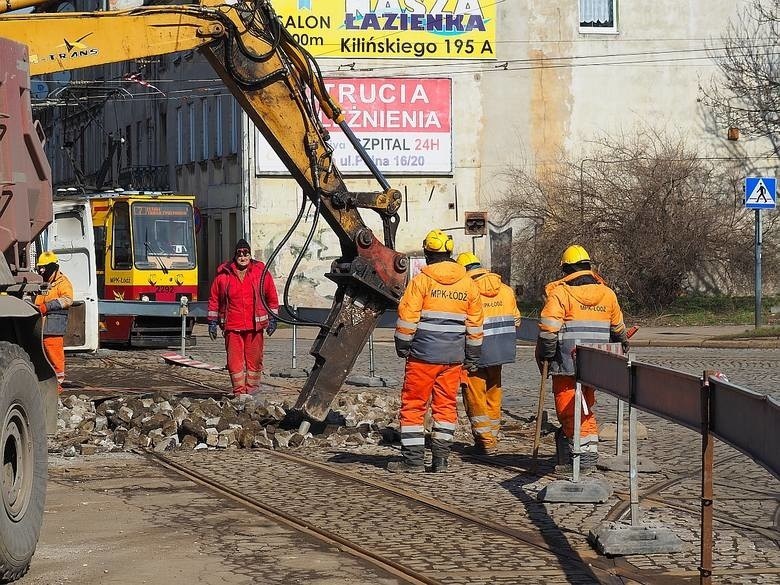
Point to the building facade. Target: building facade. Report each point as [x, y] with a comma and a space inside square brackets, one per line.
[446, 129]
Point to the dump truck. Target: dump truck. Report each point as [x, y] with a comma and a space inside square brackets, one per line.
[28, 386]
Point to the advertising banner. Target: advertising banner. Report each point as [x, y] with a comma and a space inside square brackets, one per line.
[405, 125]
[392, 29]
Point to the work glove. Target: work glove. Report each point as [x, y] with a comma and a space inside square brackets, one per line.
[42, 309]
[213, 330]
[471, 366]
[271, 327]
[402, 348]
[622, 338]
[471, 362]
[545, 351]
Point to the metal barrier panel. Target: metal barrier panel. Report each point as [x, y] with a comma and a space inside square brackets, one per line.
[319, 315]
[603, 370]
[747, 421]
[151, 308]
[672, 395]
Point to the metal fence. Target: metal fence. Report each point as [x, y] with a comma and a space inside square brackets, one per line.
[710, 405]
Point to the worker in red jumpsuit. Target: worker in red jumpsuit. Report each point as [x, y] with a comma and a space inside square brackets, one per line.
[236, 306]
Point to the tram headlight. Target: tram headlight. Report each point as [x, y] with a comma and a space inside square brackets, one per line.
[146, 297]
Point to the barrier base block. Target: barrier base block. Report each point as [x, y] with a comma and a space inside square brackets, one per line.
[613, 538]
[292, 373]
[589, 491]
[371, 382]
[620, 463]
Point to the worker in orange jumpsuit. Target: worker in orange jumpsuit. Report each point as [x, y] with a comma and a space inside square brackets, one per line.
[439, 332]
[482, 393]
[236, 306]
[579, 308]
[53, 304]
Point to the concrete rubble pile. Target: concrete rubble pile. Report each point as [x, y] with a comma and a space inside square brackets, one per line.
[165, 422]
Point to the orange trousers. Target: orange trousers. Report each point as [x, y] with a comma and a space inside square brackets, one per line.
[244, 360]
[563, 389]
[55, 351]
[437, 384]
[482, 399]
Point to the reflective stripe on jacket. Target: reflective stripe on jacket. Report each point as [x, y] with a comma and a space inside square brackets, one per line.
[236, 304]
[57, 299]
[579, 309]
[440, 313]
[501, 319]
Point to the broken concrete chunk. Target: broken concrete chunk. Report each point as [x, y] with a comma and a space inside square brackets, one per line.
[125, 414]
[212, 437]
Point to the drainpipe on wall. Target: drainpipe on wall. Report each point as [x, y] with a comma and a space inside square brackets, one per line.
[247, 158]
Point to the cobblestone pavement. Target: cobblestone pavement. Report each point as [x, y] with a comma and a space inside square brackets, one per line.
[450, 550]
[746, 496]
[115, 519]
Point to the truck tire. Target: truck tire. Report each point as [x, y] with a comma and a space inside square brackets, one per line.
[24, 472]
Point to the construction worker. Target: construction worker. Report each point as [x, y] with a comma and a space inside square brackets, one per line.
[439, 331]
[580, 308]
[54, 304]
[482, 392]
[235, 306]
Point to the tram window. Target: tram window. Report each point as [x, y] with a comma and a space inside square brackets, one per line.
[121, 245]
[164, 235]
[100, 247]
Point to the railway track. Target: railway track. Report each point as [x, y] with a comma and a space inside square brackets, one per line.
[417, 538]
[370, 499]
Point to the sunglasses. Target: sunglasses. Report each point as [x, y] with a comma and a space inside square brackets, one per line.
[243, 253]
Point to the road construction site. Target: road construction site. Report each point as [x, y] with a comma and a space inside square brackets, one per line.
[247, 499]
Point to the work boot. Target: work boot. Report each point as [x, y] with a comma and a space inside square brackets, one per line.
[439, 465]
[588, 459]
[562, 448]
[480, 449]
[404, 467]
[488, 449]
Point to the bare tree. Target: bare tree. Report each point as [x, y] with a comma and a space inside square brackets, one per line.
[747, 93]
[653, 214]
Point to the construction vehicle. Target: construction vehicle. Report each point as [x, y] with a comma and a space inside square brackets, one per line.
[280, 86]
[28, 387]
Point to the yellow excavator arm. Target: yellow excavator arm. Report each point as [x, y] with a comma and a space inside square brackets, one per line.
[276, 82]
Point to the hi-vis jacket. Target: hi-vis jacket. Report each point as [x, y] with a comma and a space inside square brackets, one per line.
[440, 316]
[580, 309]
[54, 304]
[501, 318]
[236, 304]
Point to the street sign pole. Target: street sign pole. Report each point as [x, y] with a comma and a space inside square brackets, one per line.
[760, 193]
[758, 268]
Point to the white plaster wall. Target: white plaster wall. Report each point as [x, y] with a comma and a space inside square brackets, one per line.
[523, 115]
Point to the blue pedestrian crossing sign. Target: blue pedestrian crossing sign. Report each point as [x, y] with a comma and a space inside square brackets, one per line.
[760, 192]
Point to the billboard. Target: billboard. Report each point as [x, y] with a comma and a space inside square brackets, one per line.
[404, 124]
[392, 29]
